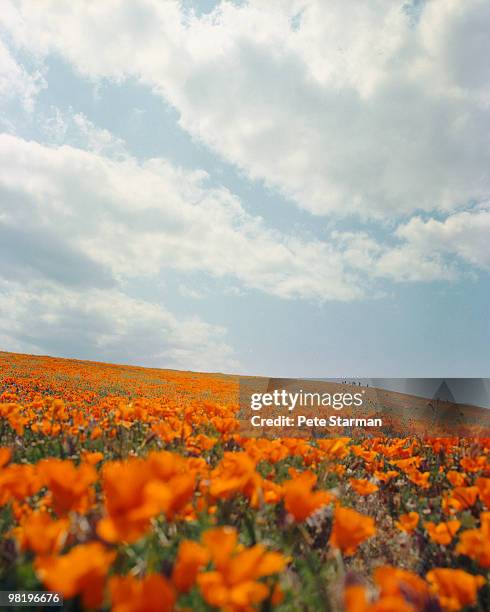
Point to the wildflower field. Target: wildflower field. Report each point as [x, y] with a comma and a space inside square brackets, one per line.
[130, 489]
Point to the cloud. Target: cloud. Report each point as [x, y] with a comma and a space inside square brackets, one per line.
[400, 261]
[107, 325]
[17, 83]
[465, 234]
[118, 219]
[77, 130]
[360, 109]
[83, 219]
[423, 249]
[30, 254]
[70, 242]
[454, 37]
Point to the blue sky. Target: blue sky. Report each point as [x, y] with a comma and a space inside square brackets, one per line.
[269, 189]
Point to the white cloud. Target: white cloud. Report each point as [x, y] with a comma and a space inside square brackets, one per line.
[401, 261]
[423, 250]
[465, 234]
[17, 83]
[86, 220]
[77, 130]
[407, 263]
[353, 109]
[454, 37]
[119, 219]
[109, 326]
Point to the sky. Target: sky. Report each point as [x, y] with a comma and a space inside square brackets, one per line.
[284, 188]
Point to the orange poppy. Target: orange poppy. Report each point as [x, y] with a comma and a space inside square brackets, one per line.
[82, 571]
[457, 479]
[455, 588]
[18, 481]
[350, 529]
[41, 534]
[407, 464]
[153, 593]
[137, 490]
[474, 464]
[475, 543]
[421, 479]
[385, 476]
[355, 598]
[363, 486]
[483, 485]
[442, 533]
[334, 447]
[129, 510]
[191, 557]
[5, 456]
[92, 458]
[408, 522]
[462, 498]
[299, 498]
[394, 582]
[234, 584]
[71, 487]
[234, 474]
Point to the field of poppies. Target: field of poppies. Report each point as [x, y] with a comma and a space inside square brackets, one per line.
[130, 489]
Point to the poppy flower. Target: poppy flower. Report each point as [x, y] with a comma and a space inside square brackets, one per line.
[442, 533]
[355, 598]
[18, 482]
[350, 529]
[408, 464]
[299, 498]
[153, 593]
[408, 522]
[191, 557]
[92, 458]
[234, 474]
[136, 490]
[334, 447]
[42, 534]
[474, 464]
[457, 479]
[82, 571]
[395, 582]
[483, 485]
[200, 443]
[385, 476]
[455, 588]
[218, 593]
[362, 486]
[234, 584]
[475, 543]
[96, 433]
[462, 498]
[421, 479]
[71, 487]
[5, 456]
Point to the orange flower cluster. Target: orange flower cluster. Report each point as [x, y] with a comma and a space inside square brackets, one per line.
[234, 584]
[130, 489]
[400, 590]
[137, 490]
